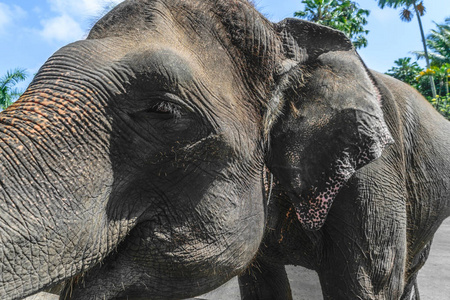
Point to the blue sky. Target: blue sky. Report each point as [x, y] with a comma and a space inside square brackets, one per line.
[31, 31]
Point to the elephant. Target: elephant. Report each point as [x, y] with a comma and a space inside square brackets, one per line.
[365, 229]
[133, 166]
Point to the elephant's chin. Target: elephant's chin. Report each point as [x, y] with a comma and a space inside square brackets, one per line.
[315, 202]
[312, 210]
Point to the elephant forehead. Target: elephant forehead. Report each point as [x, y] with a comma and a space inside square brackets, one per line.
[127, 17]
[161, 65]
[165, 46]
[133, 17]
[196, 79]
[341, 82]
[348, 74]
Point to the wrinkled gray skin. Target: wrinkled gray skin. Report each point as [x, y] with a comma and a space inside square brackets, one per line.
[132, 165]
[378, 232]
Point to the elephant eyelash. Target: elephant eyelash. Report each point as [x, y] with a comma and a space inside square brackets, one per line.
[168, 108]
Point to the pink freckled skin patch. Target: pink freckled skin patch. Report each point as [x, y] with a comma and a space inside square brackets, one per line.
[313, 212]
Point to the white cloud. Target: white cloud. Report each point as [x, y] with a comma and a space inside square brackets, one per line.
[67, 26]
[71, 17]
[81, 8]
[9, 14]
[5, 16]
[63, 29]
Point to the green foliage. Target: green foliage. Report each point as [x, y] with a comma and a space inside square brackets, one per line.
[442, 105]
[8, 94]
[344, 15]
[411, 7]
[412, 74]
[441, 76]
[438, 41]
[396, 3]
[405, 70]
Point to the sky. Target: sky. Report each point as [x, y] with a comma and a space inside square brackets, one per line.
[31, 31]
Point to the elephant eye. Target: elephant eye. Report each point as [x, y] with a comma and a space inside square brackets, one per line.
[166, 108]
[160, 106]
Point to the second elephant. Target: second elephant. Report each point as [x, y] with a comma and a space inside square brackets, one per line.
[374, 238]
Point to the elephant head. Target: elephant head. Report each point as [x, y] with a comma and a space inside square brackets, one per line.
[132, 164]
[332, 123]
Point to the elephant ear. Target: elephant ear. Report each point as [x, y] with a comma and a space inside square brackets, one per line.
[331, 122]
[300, 37]
[302, 41]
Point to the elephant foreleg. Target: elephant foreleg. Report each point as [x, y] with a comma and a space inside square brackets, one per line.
[411, 291]
[264, 281]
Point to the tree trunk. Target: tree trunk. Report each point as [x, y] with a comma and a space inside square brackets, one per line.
[446, 84]
[433, 88]
[446, 95]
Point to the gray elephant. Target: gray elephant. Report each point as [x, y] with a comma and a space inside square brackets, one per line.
[132, 167]
[136, 154]
[373, 240]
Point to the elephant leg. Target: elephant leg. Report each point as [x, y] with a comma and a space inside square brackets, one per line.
[411, 291]
[416, 290]
[348, 272]
[364, 240]
[265, 281]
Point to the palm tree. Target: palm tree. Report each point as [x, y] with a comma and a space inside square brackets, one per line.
[406, 15]
[439, 42]
[343, 15]
[8, 94]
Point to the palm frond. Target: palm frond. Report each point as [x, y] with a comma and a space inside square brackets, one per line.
[418, 54]
[13, 77]
[5, 100]
[8, 93]
[436, 36]
[406, 15]
[15, 93]
[436, 57]
[421, 9]
[389, 3]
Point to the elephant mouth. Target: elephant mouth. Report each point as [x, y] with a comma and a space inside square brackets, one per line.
[314, 205]
[313, 209]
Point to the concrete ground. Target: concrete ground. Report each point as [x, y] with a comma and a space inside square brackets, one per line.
[434, 278]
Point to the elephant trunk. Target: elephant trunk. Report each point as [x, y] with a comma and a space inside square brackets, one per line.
[55, 177]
